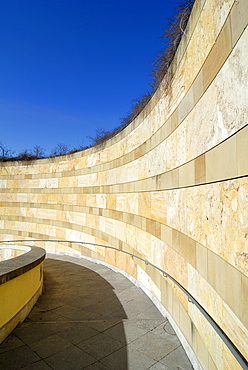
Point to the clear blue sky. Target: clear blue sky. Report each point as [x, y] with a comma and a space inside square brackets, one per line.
[68, 67]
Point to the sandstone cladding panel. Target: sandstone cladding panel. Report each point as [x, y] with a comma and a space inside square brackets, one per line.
[170, 188]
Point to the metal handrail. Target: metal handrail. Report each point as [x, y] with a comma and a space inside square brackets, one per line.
[231, 346]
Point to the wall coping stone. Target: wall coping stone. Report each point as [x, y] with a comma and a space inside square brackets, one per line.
[14, 267]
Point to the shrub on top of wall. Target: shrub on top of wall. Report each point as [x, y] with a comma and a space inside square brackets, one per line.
[161, 64]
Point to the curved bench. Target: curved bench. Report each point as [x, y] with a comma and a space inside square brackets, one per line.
[21, 281]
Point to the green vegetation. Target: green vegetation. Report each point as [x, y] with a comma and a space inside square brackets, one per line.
[6, 154]
[161, 64]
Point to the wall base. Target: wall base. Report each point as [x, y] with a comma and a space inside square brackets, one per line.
[6, 329]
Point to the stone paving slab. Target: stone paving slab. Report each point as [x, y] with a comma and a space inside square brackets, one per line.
[90, 317]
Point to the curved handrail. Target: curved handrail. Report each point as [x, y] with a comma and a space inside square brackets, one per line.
[234, 350]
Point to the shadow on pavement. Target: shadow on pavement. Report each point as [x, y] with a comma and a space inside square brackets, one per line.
[66, 328]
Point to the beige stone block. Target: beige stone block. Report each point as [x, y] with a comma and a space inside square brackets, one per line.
[200, 169]
[137, 221]
[232, 296]
[222, 276]
[221, 161]
[187, 174]
[187, 249]
[239, 19]
[174, 120]
[152, 184]
[211, 364]
[144, 202]
[175, 178]
[175, 240]
[158, 206]
[166, 180]
[130, 218]
[186, 105]
[215, 272]
[229, 361]
[198, 87]
[143, 223]
[154, 228]
[211, 339]
[121, 161]
[235, 330]
[165, 130]
[138, 186]
[158, 182]
[202, 260]
[186, 325]
[165, 300]
[244, 300]
[91, 200]
[218, 55]
[131, 267]
[242, 150]
[154, 141]
[152, 273]
[131, 156]
[125, 218]
[148, 145]
[200, 349]
[175, 307]
[132, 203]
[155, 283]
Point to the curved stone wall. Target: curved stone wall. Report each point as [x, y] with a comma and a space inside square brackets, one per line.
[171, 188]
[21, 281]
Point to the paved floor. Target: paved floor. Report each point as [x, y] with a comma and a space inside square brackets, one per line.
[91, 317]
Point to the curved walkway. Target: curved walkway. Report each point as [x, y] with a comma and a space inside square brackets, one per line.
[91, 317]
